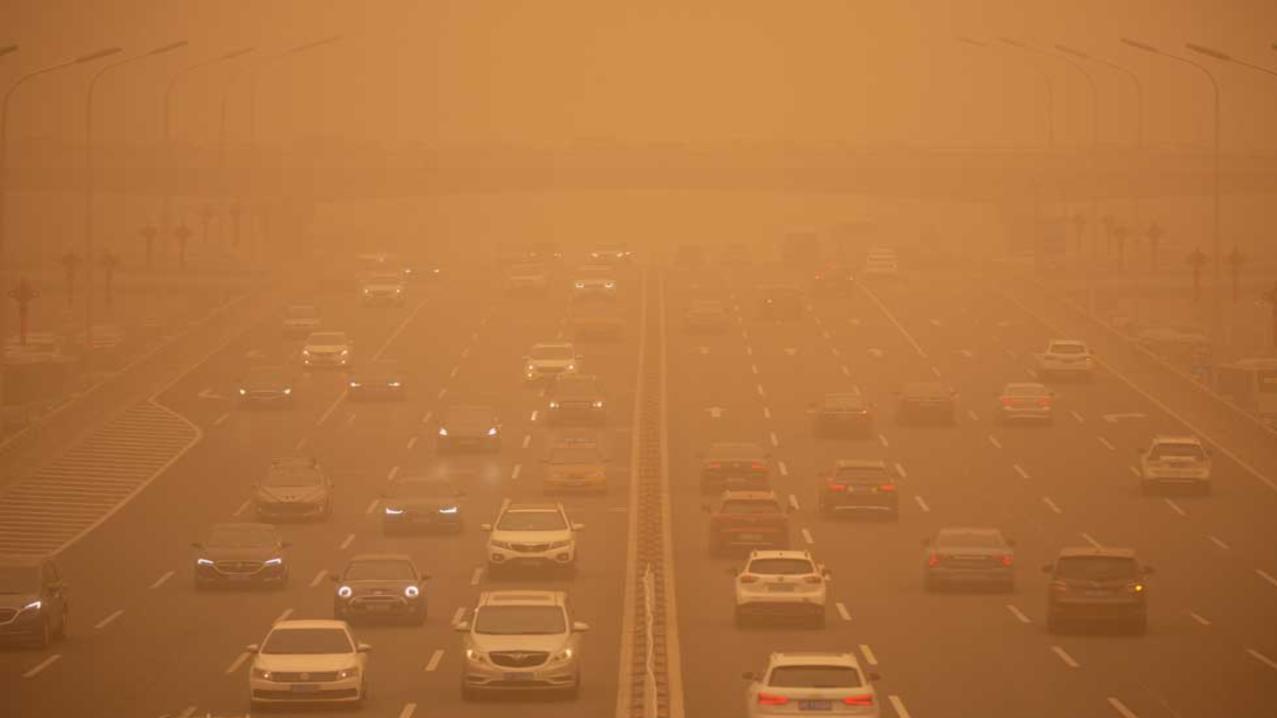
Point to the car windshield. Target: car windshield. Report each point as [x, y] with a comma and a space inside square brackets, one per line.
[969, 539]
[552, 351]
[19, 579]
[307, 641]
[1178, 451]
[302, 312]
[574, 455]
[862, 474]
[742, 506]
[293, 476]
[844, 401]
[423, 489]
[520, 620]
[814, 677]
[1095, 568]
[531, 521]
[1070, 348]
[380, 570]
[781, 566]
[471, 415]
[242, 536]
[327, 338]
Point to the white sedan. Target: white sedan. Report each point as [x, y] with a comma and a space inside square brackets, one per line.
[781, 585]
[811, 684]
[1066, 358]
[308, 662]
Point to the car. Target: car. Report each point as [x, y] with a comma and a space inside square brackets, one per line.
[833, 280]
[477, 428]
[548, 360]
[422, 504]
[376, 380]
[842, 414]
[734, 465]
[968, 556]
[1182, 461]
[781, 585]
[327, 349]
[307, 661]
[267, 385]
[383, 289]
[594, 281]
[532, 535]
[575, 463]
[301, 320]
[927, 403]
[34, 604]
[1065, 359]
[544, 250]
[611, 253]
[241, 554]
[526, 277]
[859, 486]
[779, 302]
[1024, 402]
[747, 520]
[802, 683]
[706, 316]
[380, 585]
[293, 488]
[1097, 584]
[596, 322]
[522, 641]
[881, 262]
[576, 399]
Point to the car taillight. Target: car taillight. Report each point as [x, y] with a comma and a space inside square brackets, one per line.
[887, 487]
[714, 466]
[835, 486]
[748, 578]
[812, 579]
[1044, 401]
[861, 700]
[771, 699]
[933, 559]
[758, 466]
[1007, 401]
[1007, 559]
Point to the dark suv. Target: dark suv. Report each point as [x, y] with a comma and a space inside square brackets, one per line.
[859, 486]
[734, 465]
[33, 600]
[1097, 584]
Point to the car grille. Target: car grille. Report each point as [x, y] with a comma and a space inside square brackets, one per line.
[294, 677]
[530, 547]
[238, 566]
[289, 507]
[7, 614]
[368, 601]
[518, 659]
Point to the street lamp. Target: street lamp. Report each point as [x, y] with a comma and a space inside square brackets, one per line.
[1135, 79]
[1203, 50]
[1217, 299]
[1046, 84]
[88, 186]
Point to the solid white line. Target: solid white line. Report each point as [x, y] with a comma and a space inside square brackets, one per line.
[883, 440]
[434, 660]
[534, 415]
[221, 419]
[283, 616]
[842, 611]
[972, 415]
[1019, 615]
[35, 670]
[345, 543]
[394, 471]
[793, 502]
[412, 441]
[527, 440]
[807, 537]
[457, 615]
[1135, 471]
[870, 658]
[453, 373]
[1020, 470]
[108, 620]
[775, 441]
[1051, 504]
[319, 577]
[331, 408]
[409, 708]
[994, 440]
[1078, 417]
[1262, 658]
[1175, 507]
[1199, 618]
[749, 350]
[351, 418]
[784, 470]
[767, 413]
[161, 580]
[1064, 656]
[1266, 576]
[239, 661]
[372, 506]
[900, 470]
[187, 712]
[892, 318]
[1121, 708]
[1087, 537]
[242, 507]
[514, 473]
[477, 576]
[922, 504]
[1106, 443]
[898, 706]
[1218, 542]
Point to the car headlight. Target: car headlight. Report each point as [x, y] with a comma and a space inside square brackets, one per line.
[572, 366]
[243, 391]
[398, 290]
[203, 562]
[492, 431]
[554, 405]
[1135, 587]
[393, 384]
[305, 352]
[564, 655]
[610, 285]
[275, 562]
[345, 352]
[449, 510]
[261, 673]
[288, 391]
[499, 544]
[354, 385]
[598, 404]
[367, 291]
[352, 672]
[33, 606]
[476, 656]
[411, 591]
[392, 511]
[443, 431]
[561, 544]
[580, 285]
[345, 591]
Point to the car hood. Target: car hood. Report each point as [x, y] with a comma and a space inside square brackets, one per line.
[531, 536]
[513, 642]
[288, 494]
[305, 663]
[467, 426]
[17, 600]
[240, 553]
[421, 504]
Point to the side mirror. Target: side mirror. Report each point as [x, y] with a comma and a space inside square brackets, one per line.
[1048, 567]
[578, 527]
[485, 527]
[197, 544]
[252, 648]
[580, 626]
[363, 648]
[461, 626]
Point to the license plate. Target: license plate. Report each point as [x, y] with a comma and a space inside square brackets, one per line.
[304, 688]
[378, 607]
[519, 676]
[815, 705]
[781, 587]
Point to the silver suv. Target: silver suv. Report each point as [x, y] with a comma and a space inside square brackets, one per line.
[524, 641]
[1175, 460]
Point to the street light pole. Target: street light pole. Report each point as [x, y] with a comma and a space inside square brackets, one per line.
[1217, 273]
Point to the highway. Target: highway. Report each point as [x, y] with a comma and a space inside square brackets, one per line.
[143, 642]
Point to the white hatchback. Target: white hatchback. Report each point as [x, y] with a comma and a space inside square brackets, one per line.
[1065, 358]
[1176, 460]
[811, 684]
[781, 585]
[315, 661]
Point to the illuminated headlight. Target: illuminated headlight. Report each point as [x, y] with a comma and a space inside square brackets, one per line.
[393, 384]
[354, 385]
[610, 285]
[598, 404]
[352, 672]
[412, 591]
[398, 290]
[288, 391]
[367, 291]
[476, 656]
[243, 391]
[203, 562]
[580, 285]
[443, 431]
[561, 544]
[564, 655]
[345, 352]
[275, 562]
[449, 510]
[492, 431]
[305, 352]
[261, 673]
[33, 606]
[572, 366]
[1135, 587]
[554, 405]
[345, 591]
[392, 511]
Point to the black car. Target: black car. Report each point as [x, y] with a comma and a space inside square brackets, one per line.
[33, 600]
[267, 385]
[1097, 584]
[963, 556]
[380, 586]
[293, 488]
[842, 414]
[476, 428]
[734, 465]
[780, 303]
[927, 403]
[376, 380]
[859, 486]
[422, 504]
[576, 399]
[246, 554]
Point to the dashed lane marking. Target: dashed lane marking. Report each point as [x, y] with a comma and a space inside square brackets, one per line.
[476, 576]
[39, 667]
[760, 390]
[1262, 658]
[108, 620]
[1091, 540]
[221, 419]
[301, 443]
[235, 664]
[394, 471]
[1051, 505]
[1019, 615]
[753, 368]
[455, 370]
[533, 417]
[372, 506]
[1201, 620]
[433, 663]
[793, 502]
[346, 542]
[1176, 507]
[457, 615]
[409, 708]
[868, 653]
[898, 706]
[1064, 656]
[1077, 417]
[331, 408]
[845, 370]
[874, 352]
[161, 580]
[1266, 576]
[1106, 443]
[527, 440]
[807, 537]
[775, 441]
[892, 318]
[935, 371]
[319, 577]
[425, 419]
[782, 468]
[443, 392]
[242, 507]
[842, 611]
[1135, 471]
[900, 470]
[994, 441]
[972, 415]
[514, 473]
[412, 441]
[883, 440]
[922, 504]
[1121, 708]
[1218, 541]
[767, 413]
[1020, 470]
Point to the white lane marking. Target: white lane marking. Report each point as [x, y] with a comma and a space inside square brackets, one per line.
[345, 543]
[898, 706]
[784, 470]
[1051, 505]
[351, 418]
[753, 368]
[319, 577]
[749, 350]
[760, 390]
[394, 471]
[843, 613]
[283, 616]
[457, 615]
[37, 668]
[1089, 539]
[331, 408]
[108, 620]
[934, 322]
[1020, 470]
[1121, 708]
[372, 506]
[870, 658]
[775, 441]
[1135, 471]
[454, 372]
[966, 353]
[833, 350]
[793, 502]
[874, 352]
[704, 351]
[1266, 576]
[409, 708]
[935, 371]
[1106, 443]
[892, 318]
[900, 470]
[845, 370]
[161, 580]
[477, 576]
[242, 507]
[1078, 417]
[221, 419]
[1262, 658]
[1176, 507]
[514, 473]
[972, 415]
[465, 352]
[527, 440]
[883, 440]
[1201, 620]
[426, 418]
[535, 412]
[807, 537]
[239, 661]
[994, 441]
[433, 663]
[767, 413]
[1064, 656]
[1019, 615]
[855, 321]
[301, 443]
[412, 441]
[922, 504]
[825, 334]
[1218, 541]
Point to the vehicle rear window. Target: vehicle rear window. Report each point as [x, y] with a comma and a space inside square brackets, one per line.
[738, 506]
[815, 677]
[1095, 568]
[1178, 451]
[553, 352]
[1067, 349]
[327, 338]
[866, 474]
[1024, 390]
[969, 539]
[291, 641]
[781, 566]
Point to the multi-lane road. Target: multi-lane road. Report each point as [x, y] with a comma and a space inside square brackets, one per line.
[143, 642]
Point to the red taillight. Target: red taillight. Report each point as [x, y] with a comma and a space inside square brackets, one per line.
[864, 700]
[714, 466]
[1044, 401]
[748, 578]
[771, 699]
[1007, 559]
[812, 579]
[1007, 401]
[887, 487]
[933, 559]
[835, 486]
[758, 466]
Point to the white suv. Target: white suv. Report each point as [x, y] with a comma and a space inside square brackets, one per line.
[1065, 358]
[308, 662]
[1181, 460]
[803, 683]
[781, 584]
[549, 360]
[532, 536]
[521, 641]
[327, 349]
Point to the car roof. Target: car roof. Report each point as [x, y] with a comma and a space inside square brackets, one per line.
[1067, 341]
[807, 658]
[925, 387]
[296, 623]
[977, 530]
[780, 553]
[1025, 385]
[734, 449]
[742, 495]
[860, 464]
[557, 345]
[1093, 551]
[522, 598]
